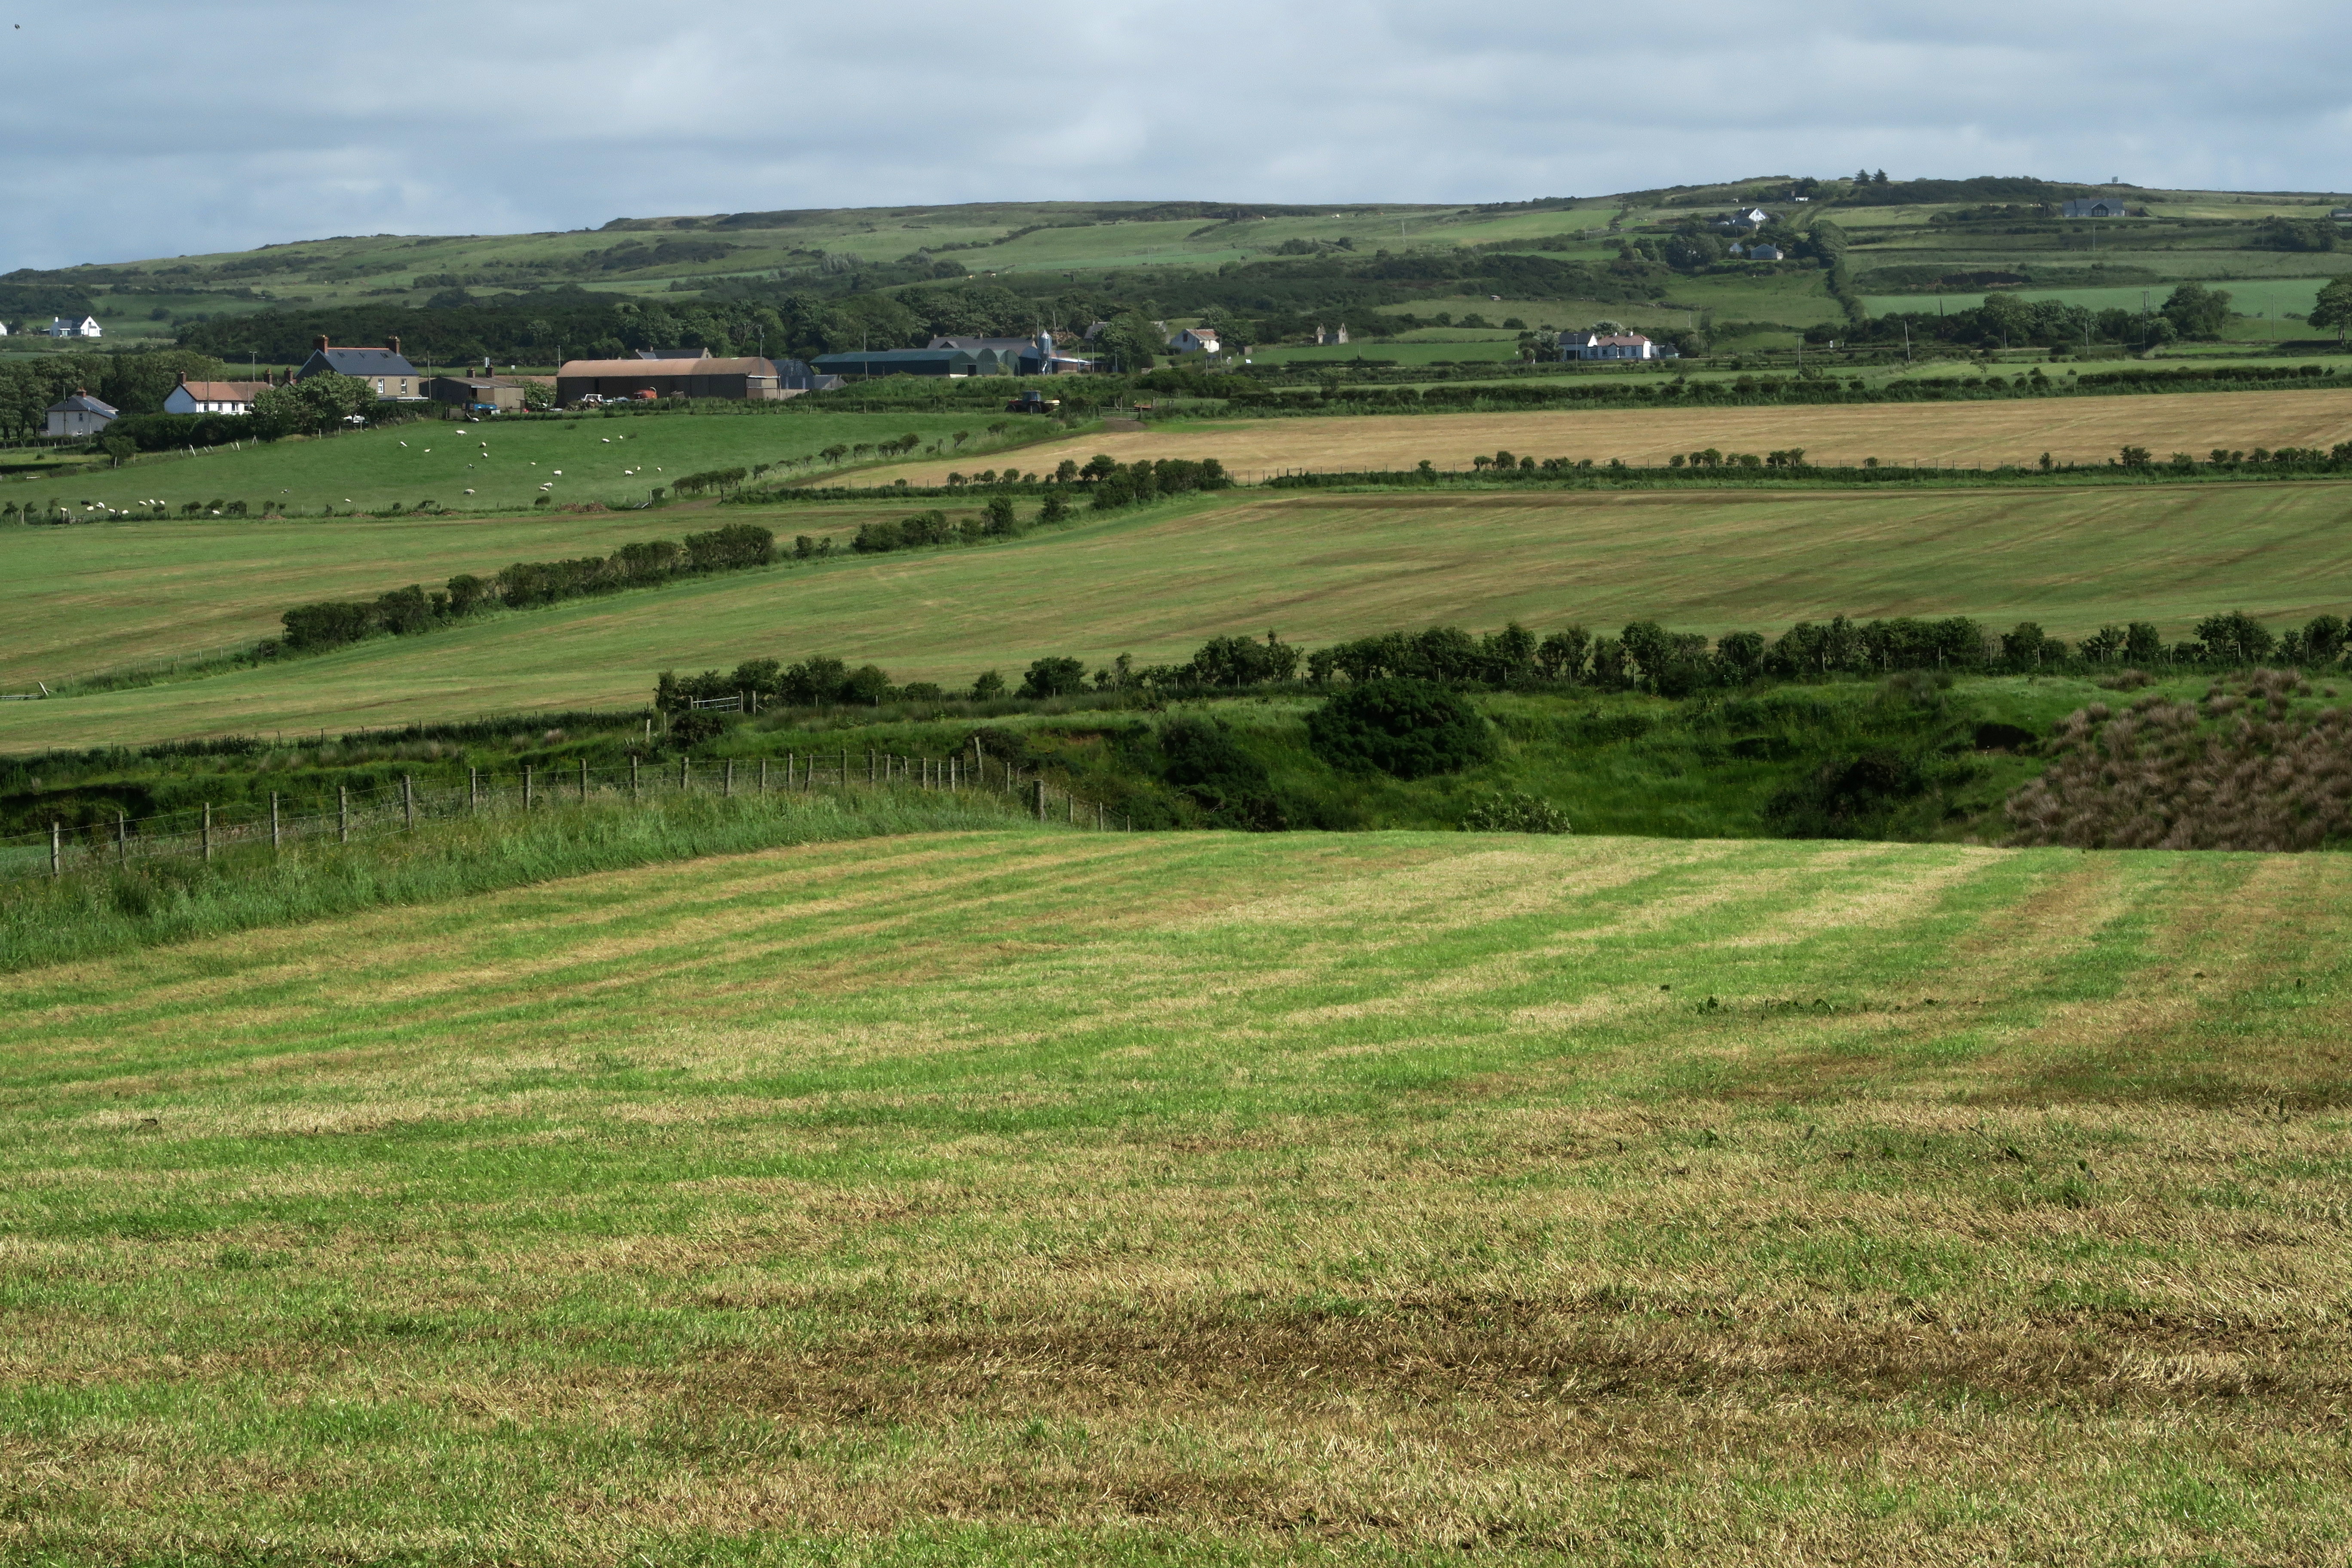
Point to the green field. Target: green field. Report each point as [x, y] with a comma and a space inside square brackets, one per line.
[608, 461]
[1318, 568]
[997, 1197]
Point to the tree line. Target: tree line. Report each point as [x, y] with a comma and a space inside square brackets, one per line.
[1643, 656]
[327, 624]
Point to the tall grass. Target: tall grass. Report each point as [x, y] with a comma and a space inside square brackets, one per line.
[172, 898]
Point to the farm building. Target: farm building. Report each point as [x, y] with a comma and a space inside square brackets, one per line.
[392, 376]
[673, 354]
[1746, 218]
[746, 379]
[87, 327]
[500, 393]
[865, 363]
[80, 415]
[213, 396]
[1012, 356]
[1763, 253]
[1195, 341]
[1611, 345]
[1332, 336]
[2099, 207]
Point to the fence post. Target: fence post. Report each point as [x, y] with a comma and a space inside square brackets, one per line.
[342, 814]
[727, 781]
[1037, 791]
[408, 803]
[632, 775]
[472, 789]
[685, 773]
[526, 786]
[583, 781]
[208, 830]
[57, 850]
[1099, 816]
[122, 839]
[273, 821]
[763, 775]
[845, 767]
[869, 764]
[1072, 801]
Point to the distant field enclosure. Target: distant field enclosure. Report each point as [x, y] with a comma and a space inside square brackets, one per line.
[1316, 568]
[1956, 434]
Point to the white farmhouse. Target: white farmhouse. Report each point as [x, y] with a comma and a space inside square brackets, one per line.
[1611, 345]
[80, 415]
[213, 396]
[1195, 341]
[87, 327]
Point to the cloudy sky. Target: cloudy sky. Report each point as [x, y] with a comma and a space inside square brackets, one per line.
[138, 128]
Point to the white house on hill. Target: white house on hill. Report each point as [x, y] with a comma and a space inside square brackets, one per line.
[213, 396]
[2102, 206]
[1195, 341]
[1611, 345]
[80, 415]
[87, 327]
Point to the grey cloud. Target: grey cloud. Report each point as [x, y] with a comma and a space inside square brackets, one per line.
[235, 124]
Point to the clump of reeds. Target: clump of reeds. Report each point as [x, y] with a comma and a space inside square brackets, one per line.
[2237, 770]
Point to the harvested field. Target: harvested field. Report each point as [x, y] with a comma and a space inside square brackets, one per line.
[1949, 434]
[1317, 567]
[979, 1198]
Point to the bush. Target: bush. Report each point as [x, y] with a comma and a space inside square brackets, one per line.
[1203, 762]
[1054, 677]
[1406, 727]
[1514, 812]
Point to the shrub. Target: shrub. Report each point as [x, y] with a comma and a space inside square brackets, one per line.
[1054, 677]
[1403, 727]
[1203, 762]
[1514, 811]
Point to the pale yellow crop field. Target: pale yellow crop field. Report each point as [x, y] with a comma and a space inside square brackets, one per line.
[1946, 435]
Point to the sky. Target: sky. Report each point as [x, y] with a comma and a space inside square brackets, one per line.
[139, 128]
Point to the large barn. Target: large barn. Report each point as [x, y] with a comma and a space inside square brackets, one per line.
[749, 378]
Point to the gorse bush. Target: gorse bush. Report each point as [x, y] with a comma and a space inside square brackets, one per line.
[1514, 811]
[2240, 770]
[1403, 727]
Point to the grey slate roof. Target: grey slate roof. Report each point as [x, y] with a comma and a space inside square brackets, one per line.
[82, 402]
[357, 361]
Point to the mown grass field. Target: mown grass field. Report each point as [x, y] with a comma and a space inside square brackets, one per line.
[1002, 1198]
[1318, 568]
[2086, 429]
[609, 461]
[136, 592]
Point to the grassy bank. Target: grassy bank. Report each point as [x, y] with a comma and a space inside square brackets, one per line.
[175, 899]
[1201, 1199]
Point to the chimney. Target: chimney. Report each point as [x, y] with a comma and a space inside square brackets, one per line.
[318, 343]
[394, 343]
[183, 378]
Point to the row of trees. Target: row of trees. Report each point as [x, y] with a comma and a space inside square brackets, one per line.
[1642, 656]
[333, 623]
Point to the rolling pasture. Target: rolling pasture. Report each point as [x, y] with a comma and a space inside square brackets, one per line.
[1956, 434]
[1028, 1196]
[615, 461]
[1316, 567]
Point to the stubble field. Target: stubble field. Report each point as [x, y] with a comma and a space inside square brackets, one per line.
[1023, 1197]
[1949, 435]
[1315, 567]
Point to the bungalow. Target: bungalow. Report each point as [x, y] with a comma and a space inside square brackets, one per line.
[87, 327]
[2100, 206]
[213, 396]
[393, 376]
[1612, 345]
[750, 378]
[80, 415]
[1195, 341]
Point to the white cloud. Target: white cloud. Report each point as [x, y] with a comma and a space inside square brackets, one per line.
[237, 123]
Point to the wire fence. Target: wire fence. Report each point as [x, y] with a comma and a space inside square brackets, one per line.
[357, 815]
